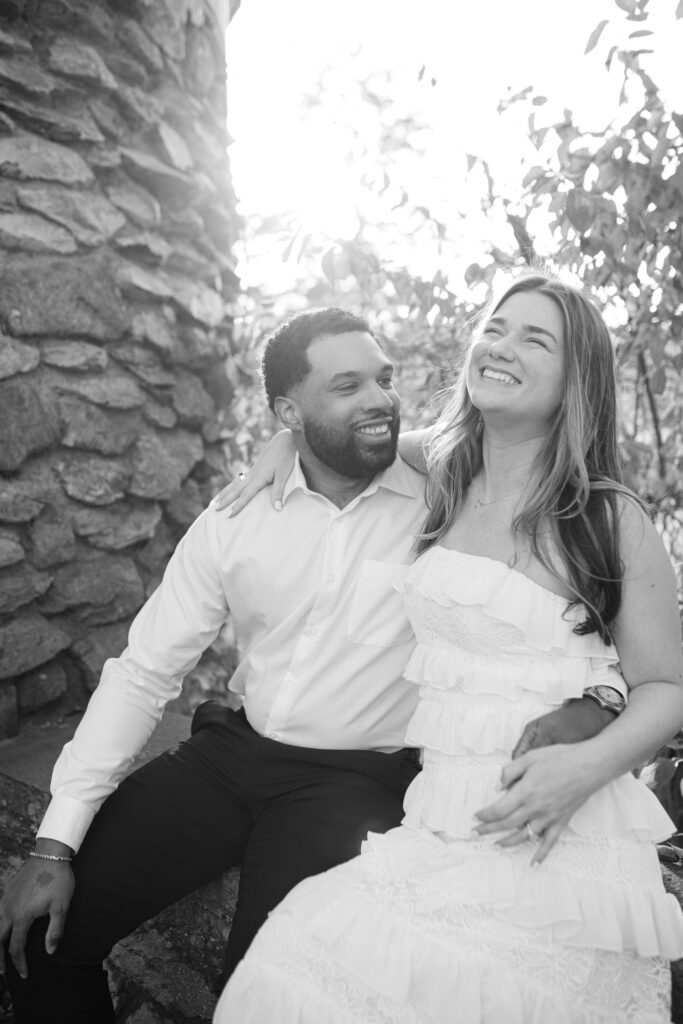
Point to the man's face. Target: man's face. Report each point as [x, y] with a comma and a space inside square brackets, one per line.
[349, 408]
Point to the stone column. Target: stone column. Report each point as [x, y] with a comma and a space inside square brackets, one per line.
[117, 219]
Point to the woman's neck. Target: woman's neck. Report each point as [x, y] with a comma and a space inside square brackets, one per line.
[507, 465]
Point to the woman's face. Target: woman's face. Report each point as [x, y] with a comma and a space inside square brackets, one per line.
[516, 368]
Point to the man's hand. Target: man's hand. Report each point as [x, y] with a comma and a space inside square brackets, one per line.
[577, 720]
[41, 888]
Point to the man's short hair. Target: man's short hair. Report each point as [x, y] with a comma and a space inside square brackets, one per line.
[285, 362]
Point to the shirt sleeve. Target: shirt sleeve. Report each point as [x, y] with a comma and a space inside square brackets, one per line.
[611, 676]
[166, 639]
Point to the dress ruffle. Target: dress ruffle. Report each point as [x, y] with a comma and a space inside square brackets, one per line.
[448, 792]
[606, 910]
[414, 971]
[449, 667]
[454, 578]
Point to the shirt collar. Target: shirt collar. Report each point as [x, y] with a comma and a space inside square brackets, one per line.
[398, 477]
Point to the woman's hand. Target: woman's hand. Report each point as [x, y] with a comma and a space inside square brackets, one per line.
[544, 788]
[273, 465]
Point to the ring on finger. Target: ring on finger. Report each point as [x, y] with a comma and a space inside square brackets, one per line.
[531, 832]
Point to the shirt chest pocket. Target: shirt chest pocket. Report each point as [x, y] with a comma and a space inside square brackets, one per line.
[378, 616]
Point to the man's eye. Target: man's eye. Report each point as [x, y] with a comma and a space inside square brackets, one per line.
[386, 382]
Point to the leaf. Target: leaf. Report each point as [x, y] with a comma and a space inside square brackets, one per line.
[328, 266]
[532, 174]
[627, 5]
[538, 101]
[610, 55]
[641, 32]
[679, 9]
[471, 160]
[595, 35]
[581, 209]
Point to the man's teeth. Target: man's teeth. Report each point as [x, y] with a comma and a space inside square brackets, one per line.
[379, 428]
[506, 378]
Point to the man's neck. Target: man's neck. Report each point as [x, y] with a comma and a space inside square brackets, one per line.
[340, 490]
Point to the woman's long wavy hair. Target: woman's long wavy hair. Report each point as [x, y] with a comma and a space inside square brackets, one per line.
[577, 473]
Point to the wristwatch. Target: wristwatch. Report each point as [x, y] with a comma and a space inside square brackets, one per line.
[606, 697]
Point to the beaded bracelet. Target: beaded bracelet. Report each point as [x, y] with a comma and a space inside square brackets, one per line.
[49, 856]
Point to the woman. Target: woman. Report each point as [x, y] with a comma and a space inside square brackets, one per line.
[525, 891]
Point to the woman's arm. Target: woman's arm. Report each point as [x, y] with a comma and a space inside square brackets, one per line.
[273, 465]
[412, 447]
[545, 787]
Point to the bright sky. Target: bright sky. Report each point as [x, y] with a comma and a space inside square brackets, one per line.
[476, 51]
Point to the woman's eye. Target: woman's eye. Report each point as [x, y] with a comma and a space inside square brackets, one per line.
[386, 382]
[537, 341]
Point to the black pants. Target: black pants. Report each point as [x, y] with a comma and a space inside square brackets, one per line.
[226, 796]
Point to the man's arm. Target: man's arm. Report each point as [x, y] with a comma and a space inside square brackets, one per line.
[169, 634]
[578, 719]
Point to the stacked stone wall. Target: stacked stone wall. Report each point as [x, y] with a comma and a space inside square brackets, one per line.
[116, 226]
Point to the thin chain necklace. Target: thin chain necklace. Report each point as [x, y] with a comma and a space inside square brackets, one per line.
[478, 503]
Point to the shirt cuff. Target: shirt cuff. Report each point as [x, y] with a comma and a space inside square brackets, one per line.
[66, 820]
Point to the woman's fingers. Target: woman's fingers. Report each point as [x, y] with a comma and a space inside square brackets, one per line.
[547, 840]
[229, 493]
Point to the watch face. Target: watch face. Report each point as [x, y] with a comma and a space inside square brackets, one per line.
[610, 696]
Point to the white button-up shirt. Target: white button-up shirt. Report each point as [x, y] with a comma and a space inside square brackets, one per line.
[322, 634]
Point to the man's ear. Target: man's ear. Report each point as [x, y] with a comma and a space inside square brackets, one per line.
[289, 413]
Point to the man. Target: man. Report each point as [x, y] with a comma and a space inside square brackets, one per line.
[290, 785]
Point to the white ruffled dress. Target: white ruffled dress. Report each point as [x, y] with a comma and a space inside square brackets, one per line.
[431, 925]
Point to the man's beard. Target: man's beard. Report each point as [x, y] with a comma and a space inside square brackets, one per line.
[344, 451]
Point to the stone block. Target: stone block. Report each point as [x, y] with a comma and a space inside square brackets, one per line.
[118, 527]
[27, 76]
[102, 430]
[111, 390]
[200, 302]
[11, 549]
[160, 415]
[9, 711]
[93, 479]
[108, 117]
[27, 642]
[16, 506]
[160, 466]
[136, 202]
[15, 357]
[19, 585]
[61, 298]
[137, 42]
[99, 590]
[190, 400]
[167, 184]
[11, 42]
[75, 126]
[74, 59]
[34, 234]
[88, 216]
[30, 157]
[74, 355]
[52, 538]
[41, 687]
[29, 421]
